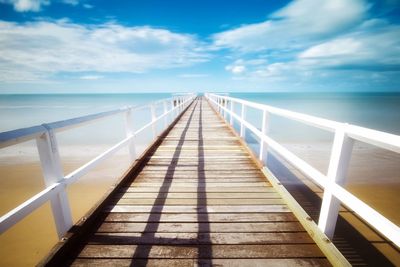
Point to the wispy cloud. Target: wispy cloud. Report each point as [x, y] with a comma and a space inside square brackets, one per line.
[295, 26]
[310, 39]
[37, 5]
[26, 5]
[40, 49]
[91, 77]
[70, 2]
[376, 50]
[236, 69]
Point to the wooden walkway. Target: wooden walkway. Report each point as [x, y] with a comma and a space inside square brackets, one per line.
[198, 199]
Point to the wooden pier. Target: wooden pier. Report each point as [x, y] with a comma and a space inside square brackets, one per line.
[197, 197]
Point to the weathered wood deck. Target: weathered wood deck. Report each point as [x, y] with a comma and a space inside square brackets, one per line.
[198, 199]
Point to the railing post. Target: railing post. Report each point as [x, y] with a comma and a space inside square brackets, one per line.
[165, 114]
[130, 132]
[264, 131]
[225, 107]
[172, 114]
[231, 117]
[52, 172]
[242, 127]
[153, 120]
[337, 172]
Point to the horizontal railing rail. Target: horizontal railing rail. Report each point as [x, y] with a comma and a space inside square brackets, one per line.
[332, 182]
[55, 181]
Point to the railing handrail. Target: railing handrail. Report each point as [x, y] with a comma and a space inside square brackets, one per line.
[55, 180]
[333, 181]
[378, 138]
[20, 135]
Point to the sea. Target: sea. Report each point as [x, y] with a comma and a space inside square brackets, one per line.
[378, 111]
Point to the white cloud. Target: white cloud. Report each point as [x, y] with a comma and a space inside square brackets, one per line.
[71, 2]
[40, 49]
[91, 77]
[26, 5]
[338, 47]
[377, 49]
[272, 70]
[236, 69]
[36, 5]
[240, 66]
[300, 23]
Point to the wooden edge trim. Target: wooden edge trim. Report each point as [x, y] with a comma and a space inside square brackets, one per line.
[323, 242]
[334, 256]
[72, 237]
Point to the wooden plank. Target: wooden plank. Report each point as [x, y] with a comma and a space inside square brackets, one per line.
[193, 217]
[207, 180]
[201, 158]
[194, 201]
[187, 189]
[199, 167]
[215, 251]
[202, 173]
[197, 147]
[198, 209]
[84, 262]
[172, 195]
[202, 227]
[182, 238]
[297, 262]
[196, 142]
[195, 168]
[199, 185]
[201, 161]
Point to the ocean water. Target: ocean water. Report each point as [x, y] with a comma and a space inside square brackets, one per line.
[379, 111]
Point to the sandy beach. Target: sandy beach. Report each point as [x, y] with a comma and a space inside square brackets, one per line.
[31, 239]
[373, 177]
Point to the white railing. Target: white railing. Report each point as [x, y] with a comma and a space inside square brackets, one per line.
[333, 181]
[55, 180]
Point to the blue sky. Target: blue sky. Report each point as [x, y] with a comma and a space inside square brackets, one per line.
[74, 46]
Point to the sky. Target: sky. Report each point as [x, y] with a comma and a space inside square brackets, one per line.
[88, 46]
